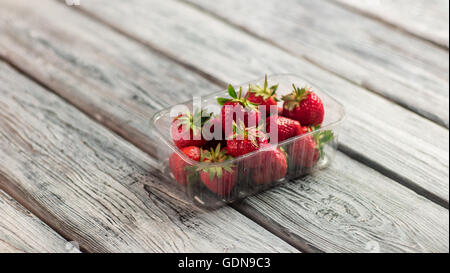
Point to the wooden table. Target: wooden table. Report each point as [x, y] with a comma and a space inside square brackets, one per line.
[79, 83]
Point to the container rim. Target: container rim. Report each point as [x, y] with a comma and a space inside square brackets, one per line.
[287, 141]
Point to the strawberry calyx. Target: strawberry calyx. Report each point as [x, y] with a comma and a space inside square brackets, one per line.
[248, 133]
[194, 121]
[322, 138]
[237, 97]
[265, 92]
[217, 155]
[293, 99]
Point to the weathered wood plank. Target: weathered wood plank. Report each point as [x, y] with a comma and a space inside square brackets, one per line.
[398, 142]
[351, 208]
[278, 208]
[407, 70]
[21, 231]
[117, 82]
[423, 18]
[100, 191]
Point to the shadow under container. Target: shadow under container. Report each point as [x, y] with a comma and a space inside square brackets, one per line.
[243, 183]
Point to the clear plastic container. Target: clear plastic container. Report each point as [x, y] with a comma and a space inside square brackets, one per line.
[243, 183]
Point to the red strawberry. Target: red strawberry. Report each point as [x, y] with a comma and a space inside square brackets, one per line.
[272, 168]
[263, 96]
[238, 108]
[178, 165]
[305, 106]
[218, 179]
[186, 129]
[209, 133]
[307, 151]
[285, 127]
[245, 140]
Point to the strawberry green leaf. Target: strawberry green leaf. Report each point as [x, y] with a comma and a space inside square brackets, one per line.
[232, 92]
[222, 101]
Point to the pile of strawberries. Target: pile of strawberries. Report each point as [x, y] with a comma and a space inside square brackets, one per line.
[302, 112]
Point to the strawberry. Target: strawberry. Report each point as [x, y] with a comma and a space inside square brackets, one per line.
[245, 140]
[305, 106]
[308, 150]
[213, 133]
[219, 179]
[186, 129]
[285, 127]
[238, 108]
[273, 166]
[178, 165]
[264, 96]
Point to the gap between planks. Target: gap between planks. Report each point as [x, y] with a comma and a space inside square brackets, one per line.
[355, 155]
[387, 23]
[219, 80]
[213, 79]
[429, 116]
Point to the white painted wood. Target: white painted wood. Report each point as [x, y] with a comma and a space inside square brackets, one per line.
[22, 232]
[96, 189]
[352, 208]
[411, 147]
[424, 18]
[407, 70]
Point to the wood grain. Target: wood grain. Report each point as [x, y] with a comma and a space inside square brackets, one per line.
[351, 208]
[288, 231]
[404, 69]
[98, 190]
[423, 18]
[22, 232]
[402, 144]
[119, 83]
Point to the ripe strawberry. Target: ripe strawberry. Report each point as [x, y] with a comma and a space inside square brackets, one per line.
[273, 167]
[307, 151]
[218, 179]
[186, 129]
[285, 127]
[263, 96]
[305, 106]
[238, 108]
[178, 165]
[245, 140]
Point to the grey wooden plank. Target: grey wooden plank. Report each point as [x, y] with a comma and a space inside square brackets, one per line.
[117, 82]
[399, 142]
[424, 18]
[99, 190]
[22, 232]
[351, 208]
[406, 70]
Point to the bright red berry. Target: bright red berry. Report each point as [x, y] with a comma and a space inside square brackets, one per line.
[178, 165]
[285, 128]
[308, 150]
[238, 109]
[186, 129]
[305, 106]
[245, 140]
[273, 167]
[264, 96]
[221, 178]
